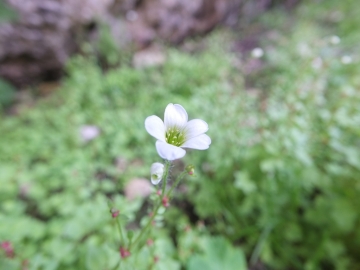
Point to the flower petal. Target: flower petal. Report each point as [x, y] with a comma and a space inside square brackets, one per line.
[200, 142]
[156, 172]
[155, 126]
[195, 128]
[168, 151]
[175, 116]
[182, 112]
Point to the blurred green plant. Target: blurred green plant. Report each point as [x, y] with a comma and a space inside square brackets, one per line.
[6, 12]
[218, 254]
[57, 181]
[287, 186]
[7, 94]
[106, 50]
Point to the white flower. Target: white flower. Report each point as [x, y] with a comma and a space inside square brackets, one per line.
[257, 53]
[88, 133]
[157, 171]
[176, 132]
[346, 59]
[335, 40]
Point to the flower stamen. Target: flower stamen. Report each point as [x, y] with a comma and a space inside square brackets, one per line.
[175, 136]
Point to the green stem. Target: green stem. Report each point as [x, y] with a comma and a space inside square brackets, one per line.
[177, 181]
[259, 245]
[120, 231]
[148, 224]
[117, 222]
[117, 265]
[167, 169]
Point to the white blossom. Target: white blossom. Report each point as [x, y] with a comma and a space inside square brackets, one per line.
[335, 40]
[157, 171]
[88, 132]
[176, 132]
[346, 59]
[257, 53]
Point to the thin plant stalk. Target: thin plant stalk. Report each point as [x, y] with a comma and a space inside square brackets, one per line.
[148, 224]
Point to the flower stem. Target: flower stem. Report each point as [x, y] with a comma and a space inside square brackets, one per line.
[122, 238]
[177, 181]
[259, 245]
[118, 225]
[148, 224]
[165, 177]
[157, 207]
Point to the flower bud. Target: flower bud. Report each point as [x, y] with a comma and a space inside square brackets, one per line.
[149, 242]
[124, 252]
[8, 248]
[165, 201]
[157, 171]
[114, 212]
[190, 169]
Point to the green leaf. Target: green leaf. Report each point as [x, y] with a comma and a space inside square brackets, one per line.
[244, 183]
[218, 254]
[344, 215]
[7, 91]
[6, 13]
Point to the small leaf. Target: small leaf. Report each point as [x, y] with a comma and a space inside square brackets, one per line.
[218, 254]
[244, 183]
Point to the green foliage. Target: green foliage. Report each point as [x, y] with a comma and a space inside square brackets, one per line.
[55, 185]
[284, 165]
[7, 93]
[218, 254]
[109, 50]
[6, 13]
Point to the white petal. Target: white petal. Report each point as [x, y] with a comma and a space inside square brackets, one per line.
[175, 116]
[168, 151]
[155, 179]
[195, 128]
[200, 142]
[155, 126]
[182, 112]
[157, 167]
[157, 171]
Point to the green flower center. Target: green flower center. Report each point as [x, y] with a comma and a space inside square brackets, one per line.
[175, 136]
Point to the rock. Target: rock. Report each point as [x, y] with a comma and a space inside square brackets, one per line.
[138, 187]
[37, 46]
[174, 20]
[149, 57]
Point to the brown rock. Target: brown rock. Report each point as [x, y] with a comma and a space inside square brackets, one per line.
[174, 20]
[149, 57]
[138, 187]
[47, 32]
[37, 46]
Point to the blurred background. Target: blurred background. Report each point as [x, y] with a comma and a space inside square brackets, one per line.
[276, 80]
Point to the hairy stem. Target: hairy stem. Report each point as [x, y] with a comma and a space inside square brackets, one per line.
[157, 207]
